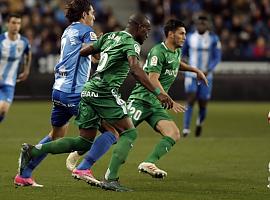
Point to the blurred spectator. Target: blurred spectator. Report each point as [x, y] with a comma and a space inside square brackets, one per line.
[43, 23]
[242, 25]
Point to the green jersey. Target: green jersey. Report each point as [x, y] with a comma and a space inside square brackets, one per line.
[163, 61]
[113, 67]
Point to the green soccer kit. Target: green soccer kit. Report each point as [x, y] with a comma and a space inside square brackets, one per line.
[100, 97]
[143, 105]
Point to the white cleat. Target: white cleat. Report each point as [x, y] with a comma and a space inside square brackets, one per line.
[186, 132]
[152, 170]
[72, 160]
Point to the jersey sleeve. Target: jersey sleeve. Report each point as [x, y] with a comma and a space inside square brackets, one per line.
[89, 36]
[155, 61]
[133, 49]
[27, 48]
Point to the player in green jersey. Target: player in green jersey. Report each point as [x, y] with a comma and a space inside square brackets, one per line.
[162, 66]
[100, 98]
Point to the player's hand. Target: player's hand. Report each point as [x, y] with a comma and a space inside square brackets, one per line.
[165, 100]
[202, 77]
[22, 77]
[178, 107]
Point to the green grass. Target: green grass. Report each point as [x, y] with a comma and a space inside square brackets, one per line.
[228, 162]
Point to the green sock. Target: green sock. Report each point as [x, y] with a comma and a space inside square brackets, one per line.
[62, 145]
[163, 147]
[120, 153]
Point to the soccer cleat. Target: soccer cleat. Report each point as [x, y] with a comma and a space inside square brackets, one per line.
[114, 185]
[186, 132]
[25, 157]
[151, 169]
[72, 160]
[85, 175]
[198, 131]
[20, 181]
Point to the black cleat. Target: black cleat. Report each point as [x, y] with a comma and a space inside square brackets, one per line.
[198, 131]
[25, 157]
[114, 185]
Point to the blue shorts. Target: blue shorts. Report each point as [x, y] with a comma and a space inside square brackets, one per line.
[202, 91]
[65, 105]
[7, 93]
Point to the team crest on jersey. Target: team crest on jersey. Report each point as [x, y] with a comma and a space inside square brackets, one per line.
[93, 36]
[137, 49]
[154, 61]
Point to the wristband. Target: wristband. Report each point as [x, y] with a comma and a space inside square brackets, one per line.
[156, 92]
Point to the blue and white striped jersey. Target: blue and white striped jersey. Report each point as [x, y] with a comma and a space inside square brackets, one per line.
[73, 70]
[203, 51]
[11, 54]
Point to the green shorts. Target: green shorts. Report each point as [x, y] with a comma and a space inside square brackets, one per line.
[94, 107]
[141, 111]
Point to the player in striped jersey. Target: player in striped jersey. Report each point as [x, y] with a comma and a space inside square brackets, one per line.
[203, 50]
[14, 50]
[71, 73]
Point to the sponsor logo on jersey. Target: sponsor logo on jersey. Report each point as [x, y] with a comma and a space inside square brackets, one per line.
[154, 61]
[137, 49]
[93, 36]
[171, 72]
[89, 94]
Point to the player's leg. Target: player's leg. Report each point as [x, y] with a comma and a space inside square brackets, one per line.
[61, 113]
[204, 94]
[100, 146]
[191, 90]
[4, 107]
[138, 114]
[120, 154]
[163, 123]
[6, 98]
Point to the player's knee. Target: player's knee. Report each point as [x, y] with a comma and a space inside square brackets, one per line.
[174, 133]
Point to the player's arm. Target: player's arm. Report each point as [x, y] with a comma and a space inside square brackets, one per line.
[154, 78]
[200, 74]
[142, 77]
[216, 55]
[88, 49]
[27, 59]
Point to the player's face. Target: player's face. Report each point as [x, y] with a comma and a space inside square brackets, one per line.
[143, 32]
[90, 17]
[179, 37]
[202, 26]
[14, 25]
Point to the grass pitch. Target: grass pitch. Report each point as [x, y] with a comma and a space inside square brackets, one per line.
[229, 161]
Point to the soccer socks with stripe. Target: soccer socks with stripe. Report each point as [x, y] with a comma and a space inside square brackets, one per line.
[188, 116]
[120, 153]
[163, 147]
[27, 173]
[100, 146]
[63, 145]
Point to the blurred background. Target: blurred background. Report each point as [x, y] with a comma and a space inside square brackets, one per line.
[242, 25]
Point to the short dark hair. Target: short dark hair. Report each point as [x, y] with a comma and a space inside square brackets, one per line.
[172, 25]
[75, 9]
[16, 15]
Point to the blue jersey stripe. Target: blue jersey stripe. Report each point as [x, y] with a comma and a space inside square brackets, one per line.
[12, 54]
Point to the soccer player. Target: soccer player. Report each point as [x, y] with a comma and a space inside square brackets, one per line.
[14, 49]
[100, 98]
[203, 49]
[162, 66]
[71, 73]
